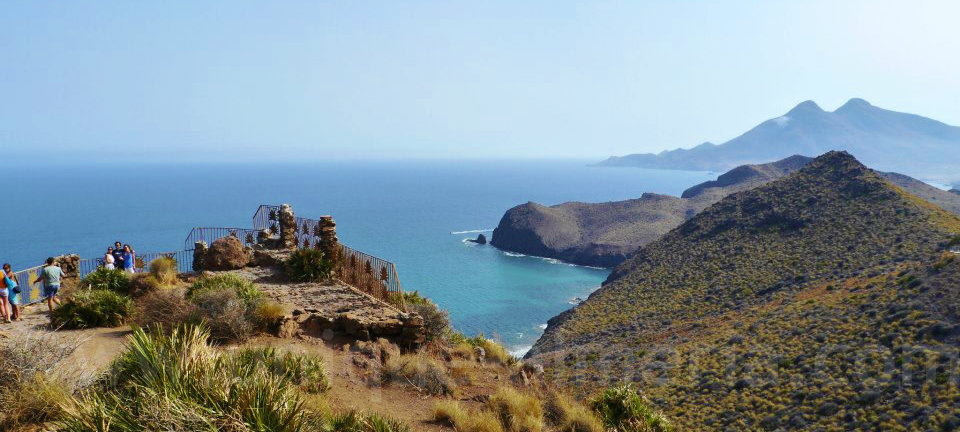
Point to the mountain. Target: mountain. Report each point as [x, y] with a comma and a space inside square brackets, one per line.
[605, 234]
[825, 300]
[883, 139]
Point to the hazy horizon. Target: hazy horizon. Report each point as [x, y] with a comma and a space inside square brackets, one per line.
[241, 81]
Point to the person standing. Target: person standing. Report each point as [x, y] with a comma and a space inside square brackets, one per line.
[109, 262]
[11, 285]
[129, 259]
[51, 275]
[118, 255]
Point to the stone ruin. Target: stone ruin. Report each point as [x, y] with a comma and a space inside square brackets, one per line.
[329, 244]
[70, 264]
[288, 227]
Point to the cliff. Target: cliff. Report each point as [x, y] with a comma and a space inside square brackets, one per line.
[605, 234]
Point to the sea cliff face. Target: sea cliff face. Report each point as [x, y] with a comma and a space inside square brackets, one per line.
[606, 234]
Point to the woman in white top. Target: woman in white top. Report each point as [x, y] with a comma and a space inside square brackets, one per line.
[108, 260]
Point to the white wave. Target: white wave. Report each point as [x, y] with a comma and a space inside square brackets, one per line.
[520, 351]
[471, 231]
[542, 326]
[514, 254]
[467, 242]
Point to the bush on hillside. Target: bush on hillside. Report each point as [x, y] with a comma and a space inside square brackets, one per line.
[436, 321]
[164, 271]
[243, 288]
[308, 265]
[420, 371]
[33, 385]
[102, 279]
[166, 309]
[517, 411]
[225, 314]
[87, 308]
[622, 409]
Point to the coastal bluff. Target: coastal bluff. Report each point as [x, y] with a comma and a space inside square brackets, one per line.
[606, 234]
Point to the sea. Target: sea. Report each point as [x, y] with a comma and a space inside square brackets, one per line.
[416, 213]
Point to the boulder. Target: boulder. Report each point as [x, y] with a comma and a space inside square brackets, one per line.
[288, 227]
[227, 253]
[199, 252]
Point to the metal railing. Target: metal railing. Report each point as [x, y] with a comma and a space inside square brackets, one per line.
[211, 234]
[372, 275]
[141, 262]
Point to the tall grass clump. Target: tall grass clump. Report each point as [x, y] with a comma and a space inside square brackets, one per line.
[451, 413]
[245, 290]
[420, 371]
[164, 271]
[102, 279]
[493, 351]
[620, 408]
[166, 308]
[87, 308]
[178, 382]
[302, 370]
[567, 415]
[308, 265]
[517, 411]
[353, 421]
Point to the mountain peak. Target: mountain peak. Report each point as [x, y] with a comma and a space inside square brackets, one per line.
[805, 107]
[854, 104]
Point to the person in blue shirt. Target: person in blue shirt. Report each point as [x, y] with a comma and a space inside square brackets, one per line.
[51, 275]
[129, 259]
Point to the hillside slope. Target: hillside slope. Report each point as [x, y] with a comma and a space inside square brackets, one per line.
[883, 139]
[605, 234]
[823, 300]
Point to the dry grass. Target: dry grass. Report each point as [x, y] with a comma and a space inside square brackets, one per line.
[455, 415]
[517, 411]
[421, 372]
[167, 308]
[164, 271]
[33, 387]
[567, 415]
[267, 315]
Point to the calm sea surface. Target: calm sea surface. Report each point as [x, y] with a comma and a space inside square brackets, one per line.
[415, 213]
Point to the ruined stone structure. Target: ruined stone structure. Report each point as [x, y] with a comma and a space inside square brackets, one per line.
[288, 227]
[329, 243]
[199, 251]
[68, 263]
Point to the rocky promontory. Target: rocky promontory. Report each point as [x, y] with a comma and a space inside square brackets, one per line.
[605, 234]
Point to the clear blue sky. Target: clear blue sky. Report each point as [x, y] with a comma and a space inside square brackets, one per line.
[396, 79]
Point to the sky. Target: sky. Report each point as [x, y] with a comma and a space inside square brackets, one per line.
[252, 80]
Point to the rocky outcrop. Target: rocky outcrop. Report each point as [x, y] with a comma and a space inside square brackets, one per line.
[69, 263]
[605, 234]
[227, 253]
[481, 239]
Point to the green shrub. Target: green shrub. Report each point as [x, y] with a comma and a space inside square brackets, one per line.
[227, 316]
[178, 382]
[102, 279]
[436, 321]
[244, 289]
[164, 271]
[93, 308]
[622, 409]
[353, 421]
[308, 265]
[303, 370]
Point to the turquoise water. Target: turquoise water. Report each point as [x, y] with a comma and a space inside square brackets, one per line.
[406, 212]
